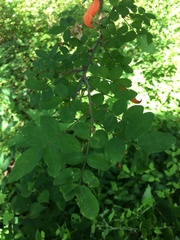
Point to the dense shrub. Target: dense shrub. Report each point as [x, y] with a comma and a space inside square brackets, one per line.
[136, 183]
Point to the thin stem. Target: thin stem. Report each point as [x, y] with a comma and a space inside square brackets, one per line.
[85, 70]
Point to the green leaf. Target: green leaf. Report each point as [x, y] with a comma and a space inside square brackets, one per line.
[56, 30]
[34, 135]
[103, 72]
[116, 73]
[69, 190]
[7, 217]
[74, 42]
[98, 161]
[87, 202]
[112, 28]
[97, 99]
[26, 163]
[150, 16]
[67, 114]
[141, 10]
[53, 158]
[50, 126]
[73, 158]
[99, 139]
[124, 11]
[34, 98]
[136, 24]
[50, 103]
[147, 198]
[127, 68]
[43, 196]
[143, 44]
[136, 128]
[119, 107]
[42, 54]
[122, 30]
[114, 150]
[133, 113]
[154, 142]
[54, 50]
[68, 175]
[114, 15]
[140, 162]
[82, 130]
[68, 143]
[94, 69]
[90, 179]
[110, 123]
[113, 2]
[61, 90]
[35, 84]
[104, 87]
[129, 36]
[66, 35]
[35, 210]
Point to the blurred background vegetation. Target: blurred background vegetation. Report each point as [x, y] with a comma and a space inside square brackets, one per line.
[24, 28]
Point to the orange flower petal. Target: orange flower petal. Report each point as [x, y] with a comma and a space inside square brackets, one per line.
[88, 17]
[95, 7]
[134, 100]
[91, 12]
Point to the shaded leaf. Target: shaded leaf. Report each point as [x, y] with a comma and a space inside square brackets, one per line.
[69, 190]
[34, 135]
[82, 130]
[138, 127]
[133, 113]
[67, 114]
[154, 142]
[53, 158]
[35, 84]
[114, 150]
[140, 162]
[50, 103]
[98, 161]
[61, 90]
[99, 139]
[119, 106]
[68, 143]
[87, 202]
[73, 158]
[67, 175]
[89, 178]
[110, 123]
[50, 126]
[26, 163]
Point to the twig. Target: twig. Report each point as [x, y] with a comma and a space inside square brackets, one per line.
[86, 67]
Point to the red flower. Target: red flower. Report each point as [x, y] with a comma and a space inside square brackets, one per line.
[91, 12]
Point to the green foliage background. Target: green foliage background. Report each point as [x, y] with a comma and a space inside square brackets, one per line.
[138, 200]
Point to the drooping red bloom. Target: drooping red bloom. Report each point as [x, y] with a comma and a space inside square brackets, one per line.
[133, 100]
[91, 12]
